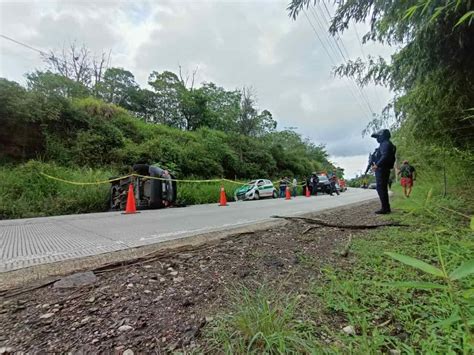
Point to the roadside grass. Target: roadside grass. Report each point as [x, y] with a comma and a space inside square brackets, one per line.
[262, 321]
[25, 193]
[198, 193]
[390, 305]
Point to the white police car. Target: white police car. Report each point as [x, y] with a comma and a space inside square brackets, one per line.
[255, 190]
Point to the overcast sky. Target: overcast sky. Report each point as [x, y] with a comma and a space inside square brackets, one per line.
[233, 43]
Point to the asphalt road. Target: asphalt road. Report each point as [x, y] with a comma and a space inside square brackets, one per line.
[33, 241]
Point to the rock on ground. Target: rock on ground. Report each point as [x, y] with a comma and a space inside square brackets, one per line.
[76, 280]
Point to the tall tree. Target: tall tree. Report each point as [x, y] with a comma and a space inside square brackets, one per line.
[169, 91]
[193, 107]
[223, 107]
[430, 72]
[118, 87]
[51, 84]
[78, 64]
[250, 122]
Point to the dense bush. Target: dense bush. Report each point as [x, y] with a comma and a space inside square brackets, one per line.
[24, 192]
[90, 133]
[85, 139]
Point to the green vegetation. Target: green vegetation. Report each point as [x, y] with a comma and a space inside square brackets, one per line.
[430, 72]
[388, 304]
[26, 193]
[409, 289]
[262, 322]
[74, 136]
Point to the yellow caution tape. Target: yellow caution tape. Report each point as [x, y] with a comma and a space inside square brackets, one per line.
[137, 175]
[84, 183]
[149, 177]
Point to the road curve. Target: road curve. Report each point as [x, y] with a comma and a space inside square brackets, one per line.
[34, 241]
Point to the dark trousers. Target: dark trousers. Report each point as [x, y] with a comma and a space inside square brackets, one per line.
[282, 190]
[381, 178]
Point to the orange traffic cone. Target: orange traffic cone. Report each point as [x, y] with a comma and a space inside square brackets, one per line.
[223, 199]
[308, 194]
[131, 205]
[287, 192]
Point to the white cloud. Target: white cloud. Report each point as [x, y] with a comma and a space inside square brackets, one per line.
[353, 165]
[234, 43]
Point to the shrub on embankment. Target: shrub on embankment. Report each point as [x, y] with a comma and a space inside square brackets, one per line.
[86, 139]
[25, 192]
[89, 132]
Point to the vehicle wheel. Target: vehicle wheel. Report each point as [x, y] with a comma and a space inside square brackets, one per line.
[275, 194]
[256, 196]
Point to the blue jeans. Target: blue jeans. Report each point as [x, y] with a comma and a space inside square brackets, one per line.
[282, 191]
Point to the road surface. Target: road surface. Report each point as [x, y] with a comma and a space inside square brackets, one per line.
[33, 241]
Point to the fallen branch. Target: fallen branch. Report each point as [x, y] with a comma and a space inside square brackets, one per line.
[341, 226]
[20, 291]
[160, 254]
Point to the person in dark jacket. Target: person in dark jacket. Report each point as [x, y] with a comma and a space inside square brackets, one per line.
[383, 163]
[314, 183]
[283, 185]
[308, 186]
[333, 181]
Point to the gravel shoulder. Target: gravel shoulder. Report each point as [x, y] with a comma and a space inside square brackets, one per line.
[163, 300]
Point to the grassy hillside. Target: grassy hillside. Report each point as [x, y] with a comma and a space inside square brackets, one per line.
[85, 139]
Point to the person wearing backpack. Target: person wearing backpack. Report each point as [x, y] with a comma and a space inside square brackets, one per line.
[408, 175]
[383, 163]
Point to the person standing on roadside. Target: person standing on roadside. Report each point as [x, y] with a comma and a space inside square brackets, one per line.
[408, 175]
[315, 183]
[309, 185]
[383, 163]
[294, 186]
[333, 184]
[283, 185]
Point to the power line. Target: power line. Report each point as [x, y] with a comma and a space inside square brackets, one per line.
[320, 22]
[359, 88]
[360, 43]
[330, 56]
[336, 39]
[365, 59]
[321, 28]
[24, 44]
[49, 56]
[340, 53]
[335, 53]
[360, 46]
[319, 38]
[328, 24]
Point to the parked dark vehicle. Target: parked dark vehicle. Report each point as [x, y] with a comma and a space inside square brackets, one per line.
[324, 185]
[149, 193]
